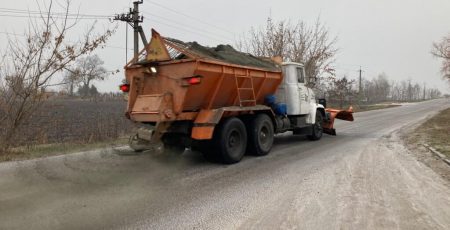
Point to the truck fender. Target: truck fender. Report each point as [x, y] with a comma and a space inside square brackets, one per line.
[321, 109]
[311, 118]
[207, 119]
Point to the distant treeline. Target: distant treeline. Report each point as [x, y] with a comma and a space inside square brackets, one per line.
[343, 91]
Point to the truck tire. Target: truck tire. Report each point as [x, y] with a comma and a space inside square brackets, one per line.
[260, 135]
[230, 140]
[317, 129]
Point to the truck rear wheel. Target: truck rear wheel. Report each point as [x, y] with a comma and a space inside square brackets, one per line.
[317, 129]
[230, 140]
[260, 135]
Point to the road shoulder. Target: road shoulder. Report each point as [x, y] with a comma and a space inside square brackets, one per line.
[429, 132]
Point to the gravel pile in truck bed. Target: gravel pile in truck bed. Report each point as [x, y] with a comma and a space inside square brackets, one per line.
[226, 53]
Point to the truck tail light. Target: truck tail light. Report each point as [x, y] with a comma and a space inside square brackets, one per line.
[125, 88]
[192, 81]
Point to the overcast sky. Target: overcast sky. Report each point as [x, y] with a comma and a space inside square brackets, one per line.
[390, 36]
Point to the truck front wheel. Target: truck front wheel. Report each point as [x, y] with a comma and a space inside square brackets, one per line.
[260, 135]
[317, 129]
[231, 140]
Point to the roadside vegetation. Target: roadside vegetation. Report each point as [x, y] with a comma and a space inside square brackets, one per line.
[55, 149]
[376, 93]
[434, 132]
[441, 50]
[369, 107]
[68, 124]
[34, 62]
[363, 108]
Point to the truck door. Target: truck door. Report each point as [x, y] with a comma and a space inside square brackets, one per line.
[303, 91]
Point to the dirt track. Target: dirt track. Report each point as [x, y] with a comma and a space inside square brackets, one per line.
[361, 179]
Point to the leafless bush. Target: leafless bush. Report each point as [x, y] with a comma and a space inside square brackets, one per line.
[340, 91]
[30, 64]
[311, 45]
[442, 50]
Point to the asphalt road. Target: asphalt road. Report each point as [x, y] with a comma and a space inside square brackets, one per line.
[361, 179]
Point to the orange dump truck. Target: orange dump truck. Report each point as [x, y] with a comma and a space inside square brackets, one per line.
[219, 101]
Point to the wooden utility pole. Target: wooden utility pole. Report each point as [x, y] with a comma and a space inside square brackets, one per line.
[409, 90]
[424, 91]
[360, 80]
[133, 19]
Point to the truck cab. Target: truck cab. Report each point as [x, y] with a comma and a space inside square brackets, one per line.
[293, 91]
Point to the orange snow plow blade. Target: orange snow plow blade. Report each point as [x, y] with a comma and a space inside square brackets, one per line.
[332, 114]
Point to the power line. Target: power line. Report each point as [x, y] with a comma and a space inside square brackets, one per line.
[53, 14]
[28, 12]
[187, 30]
[55, 17]
[191, 17]
[189, 26]
[344, 69]
[192, 31]
[23, 35]
[117, 47]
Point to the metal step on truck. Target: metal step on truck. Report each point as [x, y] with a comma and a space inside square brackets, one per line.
[219, 101]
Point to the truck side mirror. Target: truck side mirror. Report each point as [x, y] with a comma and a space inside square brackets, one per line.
[323, 102]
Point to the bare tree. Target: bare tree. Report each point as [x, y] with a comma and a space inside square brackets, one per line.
[341, 90]
[311, 45]
[31, 64]
[86, 70]
[71, 81]
[380, 89]
[442, 51]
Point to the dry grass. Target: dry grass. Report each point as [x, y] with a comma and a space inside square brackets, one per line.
[362, 108]
[74, 121]
[47, 150]
[435, 132]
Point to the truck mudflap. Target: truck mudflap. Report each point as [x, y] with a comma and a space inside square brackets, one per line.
[331, 115]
